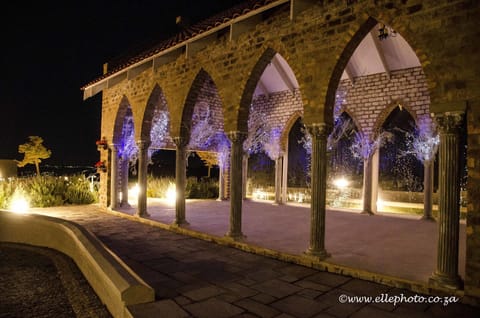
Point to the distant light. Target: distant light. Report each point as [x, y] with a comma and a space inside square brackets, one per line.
[19, 205]
[341, 183]
[171, 194]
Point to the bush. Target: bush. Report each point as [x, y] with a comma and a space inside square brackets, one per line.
[157, 187]
[195, 189]
[78, 191]
[46, 191]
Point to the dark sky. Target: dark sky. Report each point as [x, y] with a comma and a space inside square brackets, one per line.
[51, 48]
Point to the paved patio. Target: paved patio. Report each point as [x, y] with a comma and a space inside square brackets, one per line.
[398, 245]
[195, 278]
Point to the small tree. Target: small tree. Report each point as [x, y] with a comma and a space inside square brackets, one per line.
[34, 152]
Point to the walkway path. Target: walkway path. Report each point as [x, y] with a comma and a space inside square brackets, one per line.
[195, 278]
[397, 245]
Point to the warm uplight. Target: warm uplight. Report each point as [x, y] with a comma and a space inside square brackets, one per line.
[19, 205]
[259, 194]
[134, 191]
[341, 183]
[171, 194]
[380, 204]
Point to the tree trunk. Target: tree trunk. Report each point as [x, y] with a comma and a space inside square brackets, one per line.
[37, 166]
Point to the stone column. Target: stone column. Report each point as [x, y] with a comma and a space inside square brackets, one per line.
[142, 178]
[221, 183]
[278, 179]
[180, 180]
[124, 182]
[244, 176]
[446, 273]
[236, 173]
[113, 177]
[375, 171]
[367, 185]
[319, 133]
[285, 178]
[427, 189]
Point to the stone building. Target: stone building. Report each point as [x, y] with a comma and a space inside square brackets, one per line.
[290, 59]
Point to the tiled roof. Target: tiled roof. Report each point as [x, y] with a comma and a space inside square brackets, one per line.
[201, 27]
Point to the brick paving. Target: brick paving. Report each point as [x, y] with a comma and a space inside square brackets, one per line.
[196, 278]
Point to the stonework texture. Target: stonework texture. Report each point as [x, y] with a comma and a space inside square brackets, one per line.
[317, 45]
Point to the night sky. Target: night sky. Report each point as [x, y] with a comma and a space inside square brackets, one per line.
[52, 48]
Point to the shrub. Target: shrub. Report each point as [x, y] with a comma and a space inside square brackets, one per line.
[78, 191]
[44, 191]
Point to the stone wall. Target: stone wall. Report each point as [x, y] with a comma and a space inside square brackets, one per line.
[371, 98]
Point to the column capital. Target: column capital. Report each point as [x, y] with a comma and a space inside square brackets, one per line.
[143, 144]
[180, 141]
[449, 122]
[319, 130]
[237, 136]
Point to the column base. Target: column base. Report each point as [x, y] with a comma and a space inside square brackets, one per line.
[125, 205]
[428, 218]
[237, 237]
[445, 281]
[142, 214]
[367, 212]
[220, 200]
[317, 254]
[180, 223]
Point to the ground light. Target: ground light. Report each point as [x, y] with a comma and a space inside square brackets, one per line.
[19, 204]
[134, 191]
[171, 194]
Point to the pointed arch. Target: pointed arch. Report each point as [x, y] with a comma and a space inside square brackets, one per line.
[341, 64]
[286, 129]
[249, 89]
[382, 117]
[189, 105]
[155, 101]
[123, 111]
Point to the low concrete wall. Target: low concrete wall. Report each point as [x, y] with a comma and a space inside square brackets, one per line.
[113, 281]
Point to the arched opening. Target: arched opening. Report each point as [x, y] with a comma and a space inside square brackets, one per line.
[298, 164]
[275, 100]
[208, 145]
[400, 171]
[344, 185]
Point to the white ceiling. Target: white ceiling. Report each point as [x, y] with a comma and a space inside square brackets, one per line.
[372, 56]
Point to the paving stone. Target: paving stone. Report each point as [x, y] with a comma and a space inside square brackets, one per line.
[328, 279]
[213, 308]
[240, 290]
[263, 275]
[276, 288]
[311, 285]
[203, 293]
[370, 312]
[257, 308]
[288, 279]
[264, 298]
[364, 288]
[181, 300]
[299, 306]
[164, 308]
[297, 271]
[309, 293]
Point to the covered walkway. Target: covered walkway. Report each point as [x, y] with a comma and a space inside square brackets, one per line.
[397, 245]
